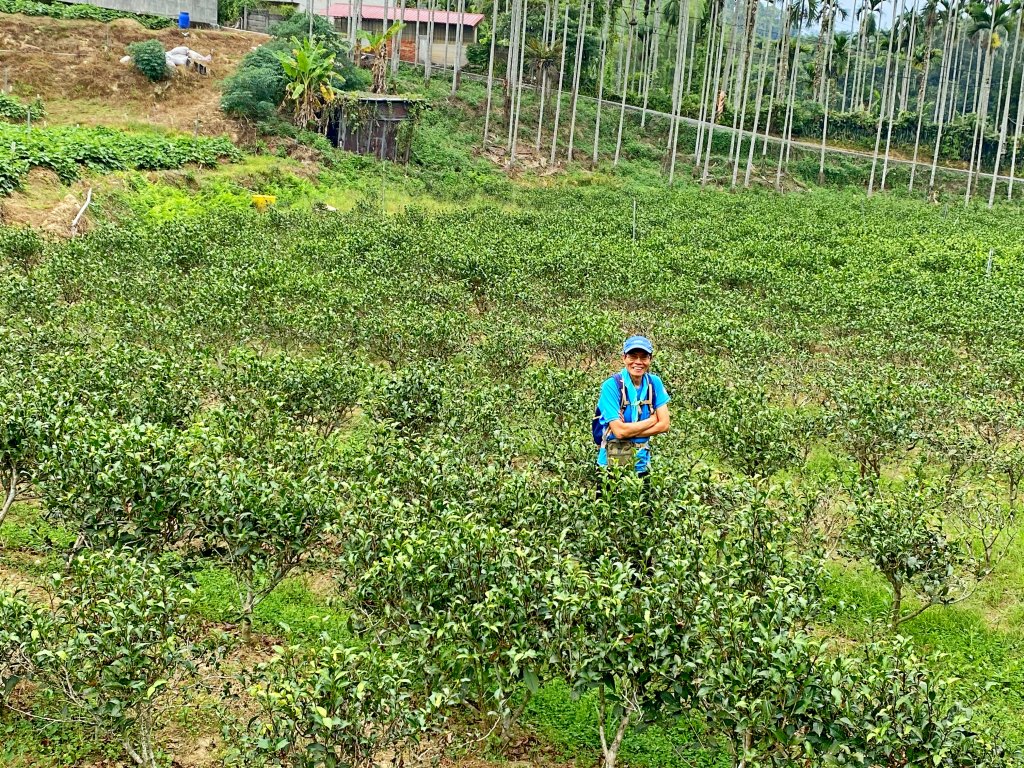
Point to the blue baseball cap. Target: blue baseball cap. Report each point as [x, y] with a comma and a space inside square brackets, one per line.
[638, 342]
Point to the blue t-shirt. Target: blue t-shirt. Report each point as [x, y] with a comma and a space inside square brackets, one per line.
[610, 403]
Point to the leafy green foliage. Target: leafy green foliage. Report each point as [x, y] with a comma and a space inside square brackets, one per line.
[150, 59]
[14, 111]
[404, 398]
[58, 10]
[115, 643]
[22, 247]
[257, 88]
[901, 535]
[261, 498]
[310, 80]
[334, 705]
[64, 149]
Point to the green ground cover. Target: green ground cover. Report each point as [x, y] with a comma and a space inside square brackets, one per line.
[376, 421]
[67, 150]
[59, 10]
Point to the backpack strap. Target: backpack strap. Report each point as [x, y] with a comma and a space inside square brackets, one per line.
[649, 400]
[623, 403]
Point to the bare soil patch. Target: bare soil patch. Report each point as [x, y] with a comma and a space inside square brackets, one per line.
[74, 66]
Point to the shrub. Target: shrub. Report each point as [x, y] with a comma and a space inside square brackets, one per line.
[410, 400]
[901, 535]
[256, 89]
[13, 110]
[149, 58]
[337, 705]
[80, 11]
[115, 643]
[63, 149]
[21, 246]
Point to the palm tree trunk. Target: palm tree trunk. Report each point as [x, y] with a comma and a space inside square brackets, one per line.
[881, 111]
[972, 65]
[783, 50]
[447, 9]
[705, 84]
[619, 57]
[782, 70]
[396, 41]
[1016, 139]
[857, 94]
[518, 103]
[630, 29]
[713, 99]
[909, 66]
[543, 77]
[892, 118]
[428, 62]
[457, 73]
[787, 126]
[735, 64]
[757, 109]
[577, 64]
[1006, 113]
[921, 91]
[692, 36]
[824, 124]
[653, 67]
[748, 56]
[982, 111]
[955, 75]
[605, 27]
[677, 86]
[561, 79]
[642, 69]
[490, 71]
[511, 67]
[946, 65]
[945, 84]
[820, 44]
[874, 67]
[846, 73]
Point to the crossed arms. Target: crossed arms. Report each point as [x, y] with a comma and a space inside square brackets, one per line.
[652, 425]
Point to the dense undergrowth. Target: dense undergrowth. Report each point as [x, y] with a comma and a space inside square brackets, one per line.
[66, 150]
[60, 10]
[373, 425]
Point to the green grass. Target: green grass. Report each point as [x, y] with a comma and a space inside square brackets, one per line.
[26, 530]
[570, 724]
[292, 609]
[971, 646]
[42, 743]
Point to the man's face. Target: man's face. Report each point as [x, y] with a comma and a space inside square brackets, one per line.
[636, 362]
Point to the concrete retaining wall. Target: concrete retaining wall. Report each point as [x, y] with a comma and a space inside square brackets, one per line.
[202, 11]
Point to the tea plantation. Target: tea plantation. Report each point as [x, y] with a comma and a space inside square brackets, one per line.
[318, 488]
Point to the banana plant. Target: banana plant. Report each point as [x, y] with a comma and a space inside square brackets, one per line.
[312, 80]
[376, 46]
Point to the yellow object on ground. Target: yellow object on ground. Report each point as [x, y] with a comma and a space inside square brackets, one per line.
[262, 202]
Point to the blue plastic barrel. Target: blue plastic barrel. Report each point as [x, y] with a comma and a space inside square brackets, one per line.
[183, 20]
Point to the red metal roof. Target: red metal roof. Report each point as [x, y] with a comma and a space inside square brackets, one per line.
[409, 16]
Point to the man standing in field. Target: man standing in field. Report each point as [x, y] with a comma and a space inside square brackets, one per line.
[632, 408]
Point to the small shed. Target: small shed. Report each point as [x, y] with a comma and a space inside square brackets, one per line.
[377, 124]
[415, 43]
